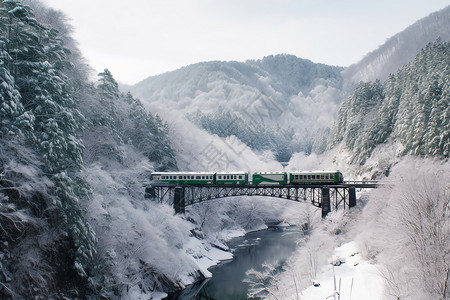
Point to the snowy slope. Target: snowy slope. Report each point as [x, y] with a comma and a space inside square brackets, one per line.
[353, 278]
[401, 48]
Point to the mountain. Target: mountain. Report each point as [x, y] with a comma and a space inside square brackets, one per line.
[286, 100]
[280, 103]
[401, 48]
[207, 83]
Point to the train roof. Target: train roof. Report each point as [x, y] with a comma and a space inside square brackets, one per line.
[232, 173]
[315, 172]
[274, 172]
[243, 172]
[183, 173]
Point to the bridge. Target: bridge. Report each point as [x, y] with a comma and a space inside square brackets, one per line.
[320, 195]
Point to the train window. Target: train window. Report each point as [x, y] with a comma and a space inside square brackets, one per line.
[198, 177]
[234, 177]
[220, 176]
[240, 176]
[309, 176]
[203, 177]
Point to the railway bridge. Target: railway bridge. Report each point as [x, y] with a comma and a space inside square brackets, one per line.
[324, 196]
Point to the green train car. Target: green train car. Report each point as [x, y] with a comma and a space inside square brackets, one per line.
[316, 177]
[269, 178]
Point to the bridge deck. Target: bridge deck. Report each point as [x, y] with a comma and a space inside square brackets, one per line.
[320, 195]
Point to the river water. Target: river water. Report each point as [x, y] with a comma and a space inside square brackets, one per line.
[272, 246]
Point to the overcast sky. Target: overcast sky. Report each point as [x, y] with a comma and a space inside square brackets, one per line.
[135, 39]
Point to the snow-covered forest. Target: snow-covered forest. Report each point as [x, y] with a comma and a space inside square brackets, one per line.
[76, 154]
[411, 107]
[278, 97]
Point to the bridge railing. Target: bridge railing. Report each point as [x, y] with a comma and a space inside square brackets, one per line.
[358, 182]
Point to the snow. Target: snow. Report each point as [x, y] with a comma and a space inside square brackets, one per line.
[212, 258]
[359, 279]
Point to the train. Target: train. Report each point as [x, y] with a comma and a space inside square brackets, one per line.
[245, 178]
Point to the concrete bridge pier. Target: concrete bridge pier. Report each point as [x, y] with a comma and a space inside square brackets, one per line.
[178, 200]
[351, 197]
[326, 203]
[150, 192]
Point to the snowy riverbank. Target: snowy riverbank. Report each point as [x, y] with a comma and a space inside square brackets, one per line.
[348, 275]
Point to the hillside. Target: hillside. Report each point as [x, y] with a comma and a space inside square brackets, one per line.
[74, 156]
[410, 108]
[401, 48]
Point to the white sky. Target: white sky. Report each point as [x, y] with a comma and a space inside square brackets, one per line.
[135, 39]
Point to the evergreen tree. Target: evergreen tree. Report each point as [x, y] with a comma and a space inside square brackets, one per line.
[34, 65]
[13, 117]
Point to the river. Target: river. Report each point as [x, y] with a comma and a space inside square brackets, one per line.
[272, 246]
